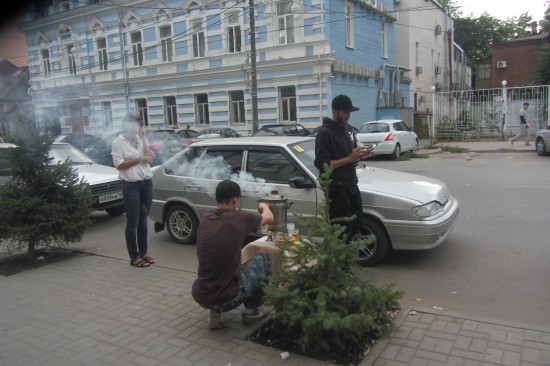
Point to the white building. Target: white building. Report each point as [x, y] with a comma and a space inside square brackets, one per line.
[424, 43]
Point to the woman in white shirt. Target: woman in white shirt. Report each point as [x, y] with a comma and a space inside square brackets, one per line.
[132, 157]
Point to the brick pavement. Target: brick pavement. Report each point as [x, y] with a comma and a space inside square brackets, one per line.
[94, 310]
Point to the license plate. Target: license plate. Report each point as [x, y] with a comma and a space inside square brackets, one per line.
[110, 197]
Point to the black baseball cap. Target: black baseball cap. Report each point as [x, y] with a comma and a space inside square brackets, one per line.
[226, 190]
[343, 103]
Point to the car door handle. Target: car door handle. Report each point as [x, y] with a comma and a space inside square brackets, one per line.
[194, 187]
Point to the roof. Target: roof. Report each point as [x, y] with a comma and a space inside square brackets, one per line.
[253, 140]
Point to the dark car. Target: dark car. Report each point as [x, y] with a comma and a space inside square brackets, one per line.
[313, 131]
[291, 129]
[80, 140]
[164, 143]
[185, 135]
[210, 133]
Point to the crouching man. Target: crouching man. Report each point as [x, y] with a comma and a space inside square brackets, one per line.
[223, 283]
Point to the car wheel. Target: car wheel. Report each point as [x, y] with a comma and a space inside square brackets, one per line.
[540, 146]
[182, 224]
[115, 211]
[372, 255]
[396, 152]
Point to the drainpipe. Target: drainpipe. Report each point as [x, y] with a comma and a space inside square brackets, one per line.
[123, 58]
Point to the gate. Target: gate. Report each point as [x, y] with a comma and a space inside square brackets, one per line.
[488, 112]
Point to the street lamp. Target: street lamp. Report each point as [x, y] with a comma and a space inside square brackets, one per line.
[432, 127]
[504, 105]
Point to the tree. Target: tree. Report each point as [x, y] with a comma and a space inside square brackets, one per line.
[324, 309]
[542, 70]
[43, 203]
[476, 36]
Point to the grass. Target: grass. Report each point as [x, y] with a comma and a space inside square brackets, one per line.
[453, 149]
[411, 155]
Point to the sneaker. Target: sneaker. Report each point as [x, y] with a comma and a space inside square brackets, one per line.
[252, 318]
[511, 141]
[214, 322]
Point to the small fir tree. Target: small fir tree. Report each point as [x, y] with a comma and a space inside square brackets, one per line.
[317, 298]
[43, 204]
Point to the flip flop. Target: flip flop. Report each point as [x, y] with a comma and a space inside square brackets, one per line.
[139, 262]
[148, 259]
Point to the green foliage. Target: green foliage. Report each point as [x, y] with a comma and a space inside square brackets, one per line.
[454, 149]
[317, 297]
[542, 70]
[476, 35]
[43, 204]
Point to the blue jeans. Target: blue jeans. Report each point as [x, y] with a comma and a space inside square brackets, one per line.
[138, 197]
[253, 273]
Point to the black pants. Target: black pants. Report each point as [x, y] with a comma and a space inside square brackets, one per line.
[345, 202]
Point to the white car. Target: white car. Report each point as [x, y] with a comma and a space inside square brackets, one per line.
[103, 180]
[388, 137]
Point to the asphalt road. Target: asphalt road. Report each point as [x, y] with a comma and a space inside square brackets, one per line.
[495, 263]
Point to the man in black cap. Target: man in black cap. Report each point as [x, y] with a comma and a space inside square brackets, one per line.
[336, 146]
[222, 283]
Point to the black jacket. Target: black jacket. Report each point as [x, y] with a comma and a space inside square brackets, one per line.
[335, 141]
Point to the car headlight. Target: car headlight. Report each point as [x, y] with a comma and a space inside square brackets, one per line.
[428, 210]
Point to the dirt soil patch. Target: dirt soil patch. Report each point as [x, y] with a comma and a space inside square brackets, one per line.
[273, 335]
[17, 263]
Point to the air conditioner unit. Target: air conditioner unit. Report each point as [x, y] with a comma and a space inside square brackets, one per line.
[419, 69]
[437, 29]
[438, 70]
[501, 64]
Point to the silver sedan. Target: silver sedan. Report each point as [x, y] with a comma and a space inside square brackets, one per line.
[404, 211]
[542, 141]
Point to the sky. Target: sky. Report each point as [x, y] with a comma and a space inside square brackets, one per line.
[503, 9]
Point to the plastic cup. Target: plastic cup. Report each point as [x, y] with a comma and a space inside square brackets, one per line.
[290, 228]
[264, 229]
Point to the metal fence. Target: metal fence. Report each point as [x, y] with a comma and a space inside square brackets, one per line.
[488, 112]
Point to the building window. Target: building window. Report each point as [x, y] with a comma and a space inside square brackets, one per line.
[137, 48]
[484, 71]
[201, 110]
[384, 36]
[141, 108]
[170, 111]
[166, 43]
[285, 21]
[198, 40]
[102, 54]
[46, 63]
[107, 114]
[287, 104]
[236, 107]
[71, 59]
[349, 25]
[233, 33]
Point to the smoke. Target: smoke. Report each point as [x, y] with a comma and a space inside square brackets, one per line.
[216, 168]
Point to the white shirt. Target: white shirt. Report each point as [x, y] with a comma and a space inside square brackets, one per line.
[122, 149]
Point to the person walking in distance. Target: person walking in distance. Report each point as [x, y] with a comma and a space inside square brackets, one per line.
[336, 145]
[132, 157]
[523, 125]
[224, 283]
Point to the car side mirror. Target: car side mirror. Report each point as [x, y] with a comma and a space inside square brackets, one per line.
[300, 182]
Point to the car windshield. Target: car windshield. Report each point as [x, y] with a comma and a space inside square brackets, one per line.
[271, 131]
[305, 152]
[60, 153]
[374, 128]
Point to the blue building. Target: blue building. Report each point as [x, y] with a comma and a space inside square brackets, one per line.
[188, 62]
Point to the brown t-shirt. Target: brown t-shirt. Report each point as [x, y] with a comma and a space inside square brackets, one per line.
[220, 237]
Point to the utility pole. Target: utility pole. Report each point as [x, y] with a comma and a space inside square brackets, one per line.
[254, 81]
